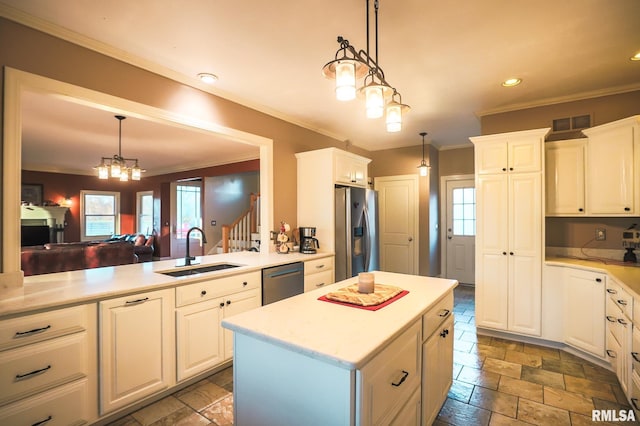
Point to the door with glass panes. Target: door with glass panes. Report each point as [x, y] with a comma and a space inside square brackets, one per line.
[461, 230]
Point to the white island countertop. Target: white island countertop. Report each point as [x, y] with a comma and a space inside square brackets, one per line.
[343, 335]
[48, 291]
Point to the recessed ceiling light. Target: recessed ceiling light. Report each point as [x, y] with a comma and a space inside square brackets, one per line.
[511, 82]
[635, 57]
[208, 77]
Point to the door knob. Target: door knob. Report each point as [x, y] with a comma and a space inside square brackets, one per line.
[410, 239]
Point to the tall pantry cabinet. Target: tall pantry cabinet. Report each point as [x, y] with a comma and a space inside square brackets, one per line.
[509, 230]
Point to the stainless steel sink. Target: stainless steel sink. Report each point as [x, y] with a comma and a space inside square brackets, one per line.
[199, 270]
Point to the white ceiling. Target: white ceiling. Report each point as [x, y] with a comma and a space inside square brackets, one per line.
[446, 58]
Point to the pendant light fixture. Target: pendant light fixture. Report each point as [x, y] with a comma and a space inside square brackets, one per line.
[351, 64]
[116, 166]
[423, 167]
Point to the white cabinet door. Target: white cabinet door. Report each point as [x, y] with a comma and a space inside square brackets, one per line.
[525, 253]
[198, 337]
[610, 173]
[491, 251]
[525, 154]
[236, 304]
[137, 347]
[508, 153]
[584, 310]
[565, 177]
[437, 371]
[350, 170]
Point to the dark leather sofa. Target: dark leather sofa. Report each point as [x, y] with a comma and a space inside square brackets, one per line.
[61, 257]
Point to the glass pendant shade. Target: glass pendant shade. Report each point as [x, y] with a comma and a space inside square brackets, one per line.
[103, 171]
[374, 101]
[346, 80]
[394, 117]
[136, 172]
[424, 169]
[115, 170]
[124, 175]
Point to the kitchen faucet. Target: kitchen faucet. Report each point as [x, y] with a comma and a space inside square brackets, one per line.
[188, 258]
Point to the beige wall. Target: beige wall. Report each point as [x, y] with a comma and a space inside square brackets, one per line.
[573, 232]
[456, 161]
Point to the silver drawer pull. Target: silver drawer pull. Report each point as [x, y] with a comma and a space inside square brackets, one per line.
[405, 374]
[30, 332]
[132, 302]
[33, 373]
[622, 302]
[444, 313]
[41, 422]
[635, 356]
[611, 319]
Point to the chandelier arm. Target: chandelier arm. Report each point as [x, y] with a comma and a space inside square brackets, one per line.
[375, 8]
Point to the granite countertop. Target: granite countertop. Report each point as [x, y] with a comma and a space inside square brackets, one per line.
[343, 335]
[69, 288]
[626, 274]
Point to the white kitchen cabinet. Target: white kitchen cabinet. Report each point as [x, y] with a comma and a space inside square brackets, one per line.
[317, 174]
[509, 152]
[584, 310]
[318, 273]
[613, 168]
[137, 347]
[565, 177]
[48, 367]
[437, 352]
[201, 341]
[509, 235]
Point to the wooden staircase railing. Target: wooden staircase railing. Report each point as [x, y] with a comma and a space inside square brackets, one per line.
[237, 235]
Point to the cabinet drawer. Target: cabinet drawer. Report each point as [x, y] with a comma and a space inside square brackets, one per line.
[614, 314]
[314, 281]
[42, 365]
[64, 405]
[390, 378]
[318, 265]
[34, 328]
[207, 290]
[621, 297]
[434, 316]
[635, 353]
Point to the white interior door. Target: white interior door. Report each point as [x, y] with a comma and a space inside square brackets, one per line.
[398, 223]
[460, 219]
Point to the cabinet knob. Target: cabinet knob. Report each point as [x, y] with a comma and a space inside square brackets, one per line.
[627, 209]
[222, 304]
[244, 283]
[511, 253]
[511, 169]
[504, 169]
[444, 332]
[228, 302]
[599, 280]
[203, 293]
[504, 253]
[580, 209]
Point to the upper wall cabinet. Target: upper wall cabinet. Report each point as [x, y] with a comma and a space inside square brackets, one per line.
[613, 170]
[564, 165]
[598, 176]
[515, 152]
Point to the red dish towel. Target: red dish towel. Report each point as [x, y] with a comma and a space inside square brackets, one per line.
[368, 308]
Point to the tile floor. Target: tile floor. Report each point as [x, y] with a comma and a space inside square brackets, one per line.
[496, 382]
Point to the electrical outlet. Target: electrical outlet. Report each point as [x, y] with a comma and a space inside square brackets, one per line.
[601, 234]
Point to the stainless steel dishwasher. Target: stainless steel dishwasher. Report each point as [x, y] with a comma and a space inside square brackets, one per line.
[280, 282]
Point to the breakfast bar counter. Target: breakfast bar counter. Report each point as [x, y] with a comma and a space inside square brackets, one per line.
[308, 361]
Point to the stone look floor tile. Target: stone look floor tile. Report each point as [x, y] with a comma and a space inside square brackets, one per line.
[521, 388]
[501, 367]
[468, 359]
[460, 391]
[156, 411]
[202, 395]
[544, 352]
[568, 400]
[486, 379]
[489, 351]
[589, 388]
[563, 367]
[507, 344]
[221, 413]
[182, 417]
[542, 377]
[540, 414]
[494, 401]
[498, 419]
[523, 358]
[457, 413]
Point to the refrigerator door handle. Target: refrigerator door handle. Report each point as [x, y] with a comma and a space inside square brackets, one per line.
[367, 234]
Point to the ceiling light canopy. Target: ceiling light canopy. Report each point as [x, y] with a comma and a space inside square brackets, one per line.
[350, 64]
[510, 82]
[423, 167]
[117, 166]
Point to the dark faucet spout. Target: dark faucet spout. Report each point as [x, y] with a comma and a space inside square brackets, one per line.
[188, 258]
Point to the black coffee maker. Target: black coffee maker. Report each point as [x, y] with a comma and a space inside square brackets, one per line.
[308, 242]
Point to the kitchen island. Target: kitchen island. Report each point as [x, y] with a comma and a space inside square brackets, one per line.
[307, 361]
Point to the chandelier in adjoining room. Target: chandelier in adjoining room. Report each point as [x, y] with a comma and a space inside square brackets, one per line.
[118, 167]
[350, 64]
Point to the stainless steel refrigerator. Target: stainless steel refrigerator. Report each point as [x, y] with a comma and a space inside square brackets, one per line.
[356, 231]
